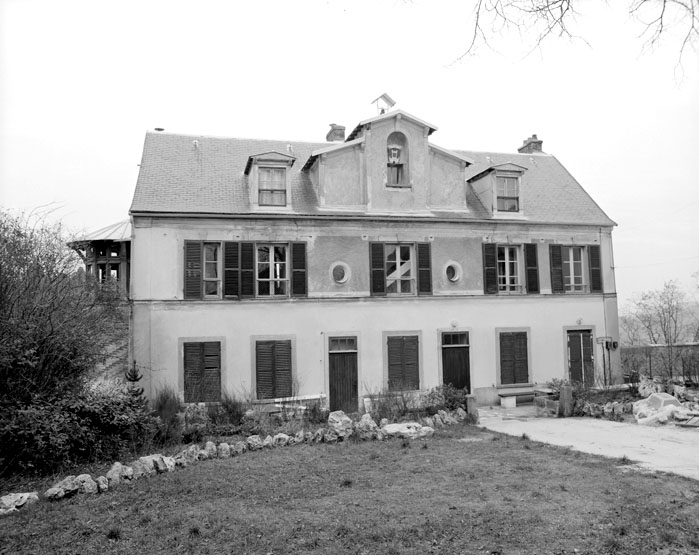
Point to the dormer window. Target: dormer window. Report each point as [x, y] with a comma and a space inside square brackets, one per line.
[507, 192]
[397, 160]
[271, 186]
[269, 179]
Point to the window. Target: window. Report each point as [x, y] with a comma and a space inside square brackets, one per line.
[272, 186]
[397, 160]
[272, 275]
[575, 269]
[235, 270]
[273, 369]
[212, 269]
[508, 269]
[340, 273]
[403, 365]
[400, 269]
[202, 372]
[453, 272]
[507, 193]
[514, 361]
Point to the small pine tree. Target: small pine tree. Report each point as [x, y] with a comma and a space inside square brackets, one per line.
[133, 376]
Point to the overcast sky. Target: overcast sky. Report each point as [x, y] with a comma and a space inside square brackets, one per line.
[81, 82]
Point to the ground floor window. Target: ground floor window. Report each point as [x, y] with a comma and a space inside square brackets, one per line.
[403, 362]
[514, 363]
[273, 369]
[202, 372]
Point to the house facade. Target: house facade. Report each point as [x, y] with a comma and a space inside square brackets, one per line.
[376, 262]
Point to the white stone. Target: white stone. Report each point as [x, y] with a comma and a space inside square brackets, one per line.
[17, 500]
[300, 437]
[224, 450]
[54, 494]
[268, 443]
[340, 423]
[659, 400]
[87, 484]
[8, 511]
[142, 468]
[461, 414]
[366, 428]
[210, 449]
[410, 430]
[254, 443]
[102, 484]
[280, 440]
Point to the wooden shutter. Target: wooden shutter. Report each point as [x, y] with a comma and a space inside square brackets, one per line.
[507, 359]
[411, 370]
[193, 287]
[211, 376]
[299, 282]
[403, 362]
[395, 363]
[490, 268]
[247, 269]
[521, 358]
[264, 369]
[282, 369]
[556, 257]
[202, 372]
[231, 269]
[193, 370]
[273, 369]
[378, 269]
[595, 263]
[530, 256]
[424, 269]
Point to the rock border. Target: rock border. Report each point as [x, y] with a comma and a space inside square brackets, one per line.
[340, 428]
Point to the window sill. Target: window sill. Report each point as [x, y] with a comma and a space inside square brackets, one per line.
[509, 215]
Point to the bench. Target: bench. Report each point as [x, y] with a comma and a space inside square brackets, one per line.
[510, 399]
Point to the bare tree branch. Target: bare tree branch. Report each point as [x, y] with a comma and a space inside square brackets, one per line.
[542, 19]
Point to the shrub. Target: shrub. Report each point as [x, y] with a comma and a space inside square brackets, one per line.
[391, 405]
[315, 413]
[445, 397]
[226, 416]
[167, 407]
[94, 424]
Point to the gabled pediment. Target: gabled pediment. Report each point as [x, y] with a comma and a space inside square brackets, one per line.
[270, 157]
[391, 115]
[507, 167]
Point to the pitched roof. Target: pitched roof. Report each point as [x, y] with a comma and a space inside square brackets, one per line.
[120, 231]
[197, 174]
[552, 194]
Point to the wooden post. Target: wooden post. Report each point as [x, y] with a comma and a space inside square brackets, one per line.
[565, 404]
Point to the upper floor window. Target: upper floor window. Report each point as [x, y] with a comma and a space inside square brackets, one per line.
[272, 275]
[233, 270]
[509, 274]
[575, 269]
[397, 160]
[400, 269]
[271, 186]
[269, 179]
[507, 193]
[510, 269]
[212, 270]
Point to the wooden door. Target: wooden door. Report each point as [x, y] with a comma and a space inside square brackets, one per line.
[581, 366]
[343, 378]
[455, 360]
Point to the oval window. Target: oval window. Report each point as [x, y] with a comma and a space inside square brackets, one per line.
[453, 272]
[340, 272]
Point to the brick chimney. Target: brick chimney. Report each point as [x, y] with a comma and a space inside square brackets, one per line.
[336, 133]
[532, 144]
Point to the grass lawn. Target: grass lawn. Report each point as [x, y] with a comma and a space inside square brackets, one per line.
[463, 491]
